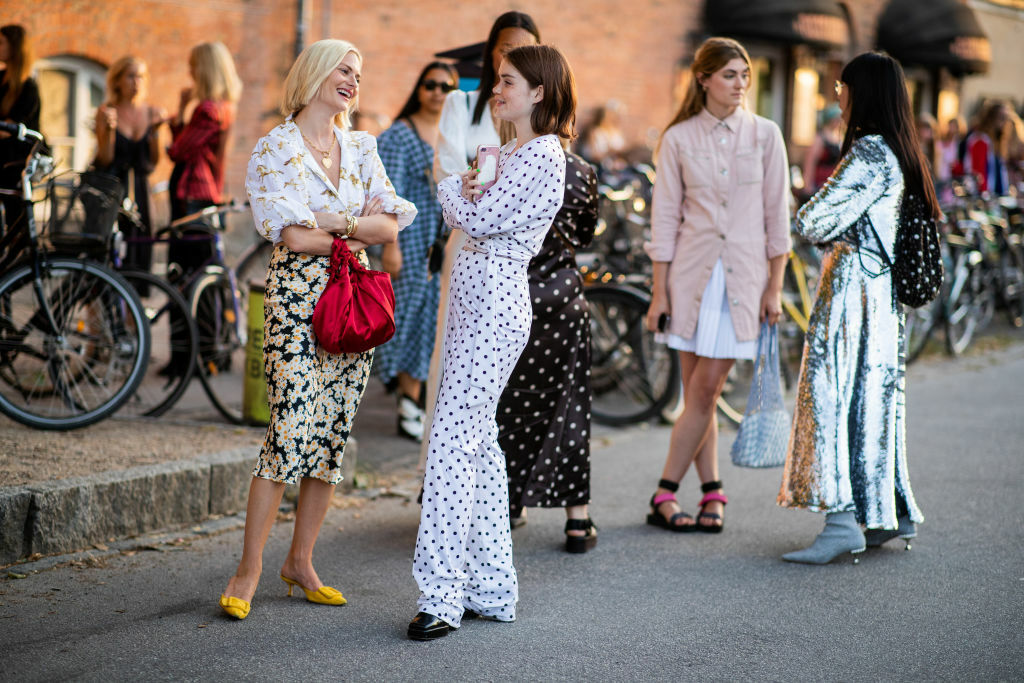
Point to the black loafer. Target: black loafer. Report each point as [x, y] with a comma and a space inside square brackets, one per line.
[428, 627]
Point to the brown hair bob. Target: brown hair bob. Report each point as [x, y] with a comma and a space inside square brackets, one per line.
[543, 65]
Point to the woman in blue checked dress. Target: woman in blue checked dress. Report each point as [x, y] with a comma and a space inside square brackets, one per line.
[407, 150]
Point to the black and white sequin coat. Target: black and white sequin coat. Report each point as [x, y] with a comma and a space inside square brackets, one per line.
[847, 449]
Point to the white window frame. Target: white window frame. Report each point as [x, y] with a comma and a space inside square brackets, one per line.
[86, 73]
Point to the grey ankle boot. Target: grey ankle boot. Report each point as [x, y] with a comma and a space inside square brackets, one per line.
[905, 529]
[841, 535]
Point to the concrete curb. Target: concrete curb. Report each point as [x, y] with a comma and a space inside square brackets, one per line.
[68, 515]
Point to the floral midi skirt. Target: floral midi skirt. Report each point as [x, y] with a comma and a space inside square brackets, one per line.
[313, 394]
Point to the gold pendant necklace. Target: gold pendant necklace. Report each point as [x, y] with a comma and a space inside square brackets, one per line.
[326, 161]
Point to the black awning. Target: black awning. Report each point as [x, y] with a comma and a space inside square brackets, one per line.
[468, 59]
[935, 33]
[821, 23]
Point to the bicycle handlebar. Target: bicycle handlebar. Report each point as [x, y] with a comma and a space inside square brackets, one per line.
[20, 131]
[232, 206]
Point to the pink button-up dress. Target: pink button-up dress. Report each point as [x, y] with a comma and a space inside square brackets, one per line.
[722, 194]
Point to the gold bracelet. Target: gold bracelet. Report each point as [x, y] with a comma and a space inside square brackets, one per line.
[353, 225]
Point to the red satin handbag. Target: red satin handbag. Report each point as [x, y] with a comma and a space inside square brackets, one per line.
[356, 311]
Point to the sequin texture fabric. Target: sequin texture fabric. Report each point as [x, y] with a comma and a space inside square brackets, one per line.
[847, 449]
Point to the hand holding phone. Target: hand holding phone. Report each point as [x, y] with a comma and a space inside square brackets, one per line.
[487, 163]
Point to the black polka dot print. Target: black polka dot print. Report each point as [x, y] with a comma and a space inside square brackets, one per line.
[544, 413]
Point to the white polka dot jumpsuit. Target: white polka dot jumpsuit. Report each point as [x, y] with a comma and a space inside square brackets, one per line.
[463, 554]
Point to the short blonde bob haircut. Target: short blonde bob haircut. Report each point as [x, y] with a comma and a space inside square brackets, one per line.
[117, 70]
[309, 72]
[214, 73]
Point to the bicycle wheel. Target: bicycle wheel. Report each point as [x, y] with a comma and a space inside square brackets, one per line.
[632, 377]
[74, 344]
[920, 323]
[733, 402]
[221, 360]
[252, 267]
[1011, 282]
[174, 341]
[971, 301]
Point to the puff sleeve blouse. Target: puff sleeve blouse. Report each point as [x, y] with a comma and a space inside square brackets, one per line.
[286, 186]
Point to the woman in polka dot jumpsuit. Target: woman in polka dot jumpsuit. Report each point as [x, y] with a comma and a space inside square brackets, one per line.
[463, 559]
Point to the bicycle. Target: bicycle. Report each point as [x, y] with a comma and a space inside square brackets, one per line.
[984, 265]
[632, 377]
[209, 308]
[74, 339]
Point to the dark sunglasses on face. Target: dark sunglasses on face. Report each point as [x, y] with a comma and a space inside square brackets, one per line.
[445, 87]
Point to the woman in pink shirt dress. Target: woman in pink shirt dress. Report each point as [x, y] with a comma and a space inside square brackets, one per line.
[719, 243]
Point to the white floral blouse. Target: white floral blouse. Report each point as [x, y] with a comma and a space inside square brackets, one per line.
[286, 185]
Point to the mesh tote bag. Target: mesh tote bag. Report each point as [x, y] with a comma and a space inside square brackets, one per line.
[764, 431]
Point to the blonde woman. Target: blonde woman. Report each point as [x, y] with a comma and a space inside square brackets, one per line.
[128, 144]
[198, 150]
[309, 180]
[719, 243]
[200, 144]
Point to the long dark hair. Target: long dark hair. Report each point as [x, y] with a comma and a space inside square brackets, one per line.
[880, 105]
[18, 66]
[488, 74]
[412, 105]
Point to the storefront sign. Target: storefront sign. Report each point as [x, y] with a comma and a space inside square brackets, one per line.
[820, 28]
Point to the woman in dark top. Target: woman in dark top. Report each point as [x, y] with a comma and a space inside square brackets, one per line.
[544, 412]
[19, 103]
[128, 146]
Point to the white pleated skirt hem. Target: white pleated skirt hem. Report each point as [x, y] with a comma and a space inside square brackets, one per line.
[715, 336]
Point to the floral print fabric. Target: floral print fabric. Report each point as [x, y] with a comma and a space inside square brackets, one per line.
[313, 394]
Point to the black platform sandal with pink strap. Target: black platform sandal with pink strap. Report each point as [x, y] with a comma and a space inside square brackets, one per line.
[657, 519]
[712, 491]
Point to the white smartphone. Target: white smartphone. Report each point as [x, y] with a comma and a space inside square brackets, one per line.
[487, 162]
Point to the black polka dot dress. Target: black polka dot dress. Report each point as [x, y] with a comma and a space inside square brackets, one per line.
[544, 413]
[463, 556]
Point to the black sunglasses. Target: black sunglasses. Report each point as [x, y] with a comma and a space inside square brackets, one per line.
[431, 85]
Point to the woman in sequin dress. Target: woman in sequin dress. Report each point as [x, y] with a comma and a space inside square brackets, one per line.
[719, 243]
[309, 180]
[847, 449]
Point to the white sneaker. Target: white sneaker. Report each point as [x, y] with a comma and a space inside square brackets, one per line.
[410, 419]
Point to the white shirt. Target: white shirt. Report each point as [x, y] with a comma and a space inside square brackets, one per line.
[286, 185]
[458, 137]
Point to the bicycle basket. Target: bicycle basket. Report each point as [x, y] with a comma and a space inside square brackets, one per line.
[82, 211]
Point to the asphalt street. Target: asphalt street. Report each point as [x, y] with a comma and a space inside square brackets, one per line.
[645, 604]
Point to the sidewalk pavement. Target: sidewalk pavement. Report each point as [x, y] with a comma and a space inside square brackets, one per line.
[645, 604]
[45, 518]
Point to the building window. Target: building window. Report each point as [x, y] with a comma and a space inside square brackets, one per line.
[71, 88]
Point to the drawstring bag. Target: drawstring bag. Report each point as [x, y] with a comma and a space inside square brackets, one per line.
[356, 311]
[764, 431]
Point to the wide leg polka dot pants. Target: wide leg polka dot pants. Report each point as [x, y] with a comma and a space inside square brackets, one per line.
[463, 554]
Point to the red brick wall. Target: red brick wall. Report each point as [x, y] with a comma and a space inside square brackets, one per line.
[162, 33]
[629, 52]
